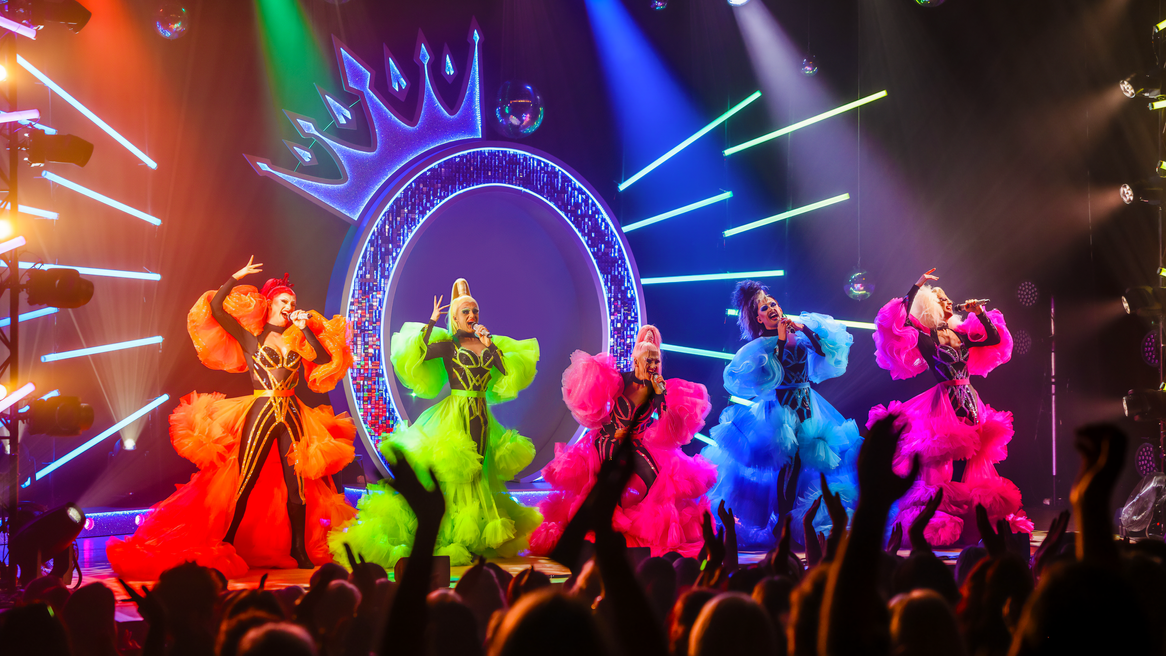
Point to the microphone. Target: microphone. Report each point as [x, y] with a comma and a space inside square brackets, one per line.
[963, 307]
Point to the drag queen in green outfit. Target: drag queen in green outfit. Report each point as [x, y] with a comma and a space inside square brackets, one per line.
[469, 452]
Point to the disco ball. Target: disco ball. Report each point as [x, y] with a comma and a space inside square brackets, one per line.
[859, 286]
[519, 110]
[1146, 459]
[1028, 294]
[1022, 342]
[172, 21]
[810, 65]
[659, 4]
[928, 3]
[1150, 348]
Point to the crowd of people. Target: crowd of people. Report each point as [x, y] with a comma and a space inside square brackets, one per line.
[1081, 592]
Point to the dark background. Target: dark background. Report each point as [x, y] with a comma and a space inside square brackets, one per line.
[995, 158]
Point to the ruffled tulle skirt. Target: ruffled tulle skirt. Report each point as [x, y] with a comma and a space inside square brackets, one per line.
[938, 436]
[665, 518]
[480, 516]
[191, 523]
[753, 443]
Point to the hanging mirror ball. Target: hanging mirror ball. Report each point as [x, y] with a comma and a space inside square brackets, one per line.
[810, 65]
[172, 21]
[929, 3]
[519, 110]
[859, 286]
[659, 4]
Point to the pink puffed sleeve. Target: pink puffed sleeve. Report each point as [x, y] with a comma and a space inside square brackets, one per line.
[590, 386]
[686, 406]
[897, 342]
[983, 359]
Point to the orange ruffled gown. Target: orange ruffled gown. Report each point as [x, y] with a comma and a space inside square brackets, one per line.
[207, 430]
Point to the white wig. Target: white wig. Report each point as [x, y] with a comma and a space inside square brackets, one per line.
[928, 310]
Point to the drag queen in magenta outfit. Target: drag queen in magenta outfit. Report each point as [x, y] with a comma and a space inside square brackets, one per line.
[471, 454]
[663, 506]
[949, 421]
[783, 421]
[264, 496]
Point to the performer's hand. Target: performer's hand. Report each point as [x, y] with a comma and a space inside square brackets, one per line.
[925, 278]
[249, 269]
[916, 532]
[658, 384]
[876, 477]
[791, 325]
[483, 334]
[299, 318]
[974, 306]
[438, 308]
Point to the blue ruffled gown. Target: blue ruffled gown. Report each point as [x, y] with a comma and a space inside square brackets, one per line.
[781, 416]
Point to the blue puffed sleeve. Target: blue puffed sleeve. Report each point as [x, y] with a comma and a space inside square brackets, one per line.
[835, 343]
[754, 369]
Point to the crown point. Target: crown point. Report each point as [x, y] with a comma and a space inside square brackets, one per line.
[424, 54]
[476, 36]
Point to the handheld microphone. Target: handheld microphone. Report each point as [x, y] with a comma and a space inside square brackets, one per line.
[963, 307]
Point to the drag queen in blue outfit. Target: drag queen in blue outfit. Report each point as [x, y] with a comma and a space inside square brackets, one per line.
[780, 420]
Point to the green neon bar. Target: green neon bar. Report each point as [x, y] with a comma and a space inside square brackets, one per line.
[721, 355]
[712, 276]
[1158, 104]
[810, 121]
[740, 401]
[688, 142]
[1160, 26]
[787, 215]
[734, 312]
[678, 211]
[705, 438]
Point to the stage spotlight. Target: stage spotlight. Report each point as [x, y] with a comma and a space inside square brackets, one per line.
[3, 73]
[1150, 348]
[69, 13]
[1142, 84]
[1141, 192]
[1145, 302]
[737, 3]
[58, 149]
[47, 537]
[1145, 405]
[59, 288]
[61, 416]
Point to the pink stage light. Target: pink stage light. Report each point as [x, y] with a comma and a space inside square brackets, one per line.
[22, 115]
[13, 26]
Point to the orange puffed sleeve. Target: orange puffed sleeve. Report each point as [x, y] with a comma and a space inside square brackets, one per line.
[216, 348]
[333, 335]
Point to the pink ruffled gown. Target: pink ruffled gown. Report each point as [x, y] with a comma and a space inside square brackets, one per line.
[949, 421]
[665, 514]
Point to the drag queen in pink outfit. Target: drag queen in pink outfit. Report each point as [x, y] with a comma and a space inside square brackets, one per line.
[949, 421]
[663, 505]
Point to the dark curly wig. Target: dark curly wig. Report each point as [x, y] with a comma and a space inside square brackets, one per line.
[745, 297]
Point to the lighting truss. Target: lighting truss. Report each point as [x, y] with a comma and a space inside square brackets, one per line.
[85, 110]
[93, 350]
[797, 211]
[84, 191]
[56, 464]
[712, 276]
[688, 142]
[809, 121]
[678, 211]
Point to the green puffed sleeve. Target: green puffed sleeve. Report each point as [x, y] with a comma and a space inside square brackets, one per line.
[407, 353]
[520, 356]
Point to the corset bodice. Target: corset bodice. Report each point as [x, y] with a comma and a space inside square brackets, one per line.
[470, 371]
[271, 370]
[949, 364]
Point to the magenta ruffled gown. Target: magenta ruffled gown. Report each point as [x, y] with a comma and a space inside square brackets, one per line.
[668, 517]
[949, 422]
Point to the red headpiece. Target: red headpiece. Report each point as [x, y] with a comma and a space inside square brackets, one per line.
[276, 286]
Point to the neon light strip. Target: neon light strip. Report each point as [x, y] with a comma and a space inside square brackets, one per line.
[39, 213]
[21, 29]
[104, 434]
[687, 142]
[721, 355]
[787, 215]
[11, 399]
[1160, 26]
[810, 121]
[50, 395]
[1158, 104]
[90, 271]
[48, 175]
[857, 324]
[35, 314]
[22, 115]
[733, 312]
[678, 211]
[93, 350]
[705, 438]
[85, 110]
[740, 401]
[43, 128]
[712, 276]
[15, 242]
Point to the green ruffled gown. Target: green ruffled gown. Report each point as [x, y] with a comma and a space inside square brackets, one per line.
[480, 517]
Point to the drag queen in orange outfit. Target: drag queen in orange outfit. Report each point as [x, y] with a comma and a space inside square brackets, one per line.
[263, 496]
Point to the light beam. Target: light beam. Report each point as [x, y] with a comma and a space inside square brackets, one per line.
[84, 191]
[809, 121]
[100, 437]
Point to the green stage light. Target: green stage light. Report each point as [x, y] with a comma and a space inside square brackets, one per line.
[810, 121]
[787, 215]
[678, 211]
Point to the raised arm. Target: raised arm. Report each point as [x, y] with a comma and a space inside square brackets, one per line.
[441, 349]
[220, 314]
